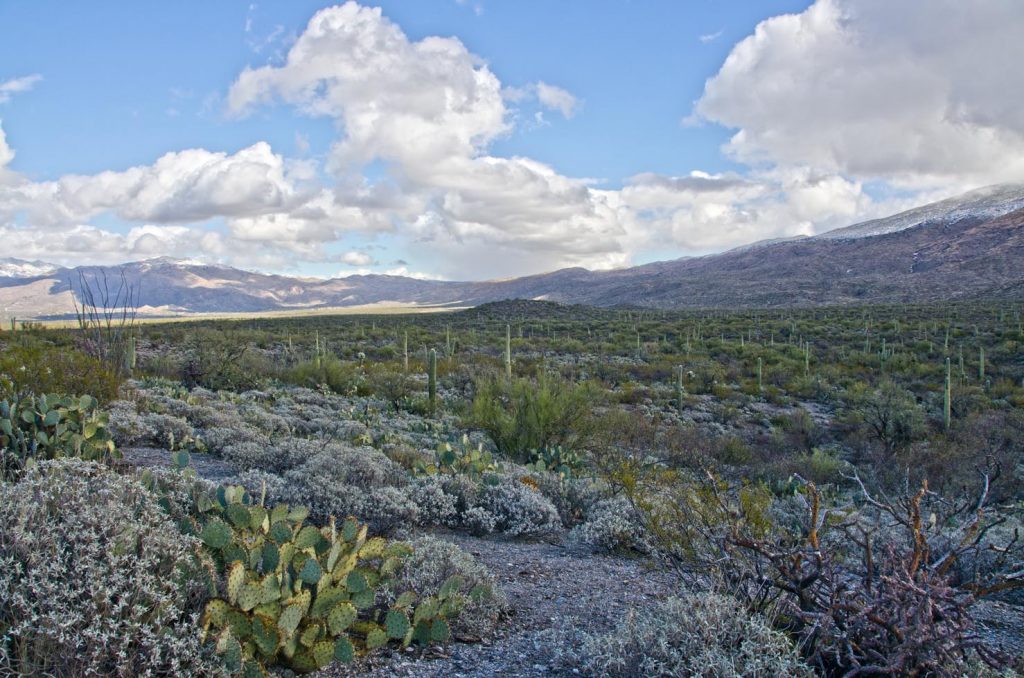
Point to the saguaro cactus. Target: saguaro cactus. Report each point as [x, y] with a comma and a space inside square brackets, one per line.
[947, 400]
[405, 351]
[432, 380]
[508, 352]
[679, 388]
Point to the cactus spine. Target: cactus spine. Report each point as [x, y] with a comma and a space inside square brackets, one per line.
[947, 400]
[432, 380]
[508, 352]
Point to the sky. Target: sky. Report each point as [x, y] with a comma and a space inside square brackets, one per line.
[485, 139]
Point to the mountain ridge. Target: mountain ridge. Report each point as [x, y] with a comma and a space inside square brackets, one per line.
[967, 247]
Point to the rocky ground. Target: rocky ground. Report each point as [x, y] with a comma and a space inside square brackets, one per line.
[553, 586]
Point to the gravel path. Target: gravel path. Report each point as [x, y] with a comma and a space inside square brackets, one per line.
[206, 466]
[549, 586]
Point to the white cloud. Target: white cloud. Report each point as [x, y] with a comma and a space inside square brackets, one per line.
[823, 102]
[557, 99]
[6, 152]
[708, 213]
[710, 37]
[430, 108]
[356, 258]
[406, 273]
[918, 93]
[16, 85]
[412, 102]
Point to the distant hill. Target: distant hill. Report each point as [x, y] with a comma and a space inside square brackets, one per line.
[959, 249]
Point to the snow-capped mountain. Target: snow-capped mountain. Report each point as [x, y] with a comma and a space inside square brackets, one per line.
[19, 268]
[988, 202]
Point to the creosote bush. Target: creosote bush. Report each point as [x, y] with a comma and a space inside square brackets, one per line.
[525, 415]
[36, 368]
[95, 579]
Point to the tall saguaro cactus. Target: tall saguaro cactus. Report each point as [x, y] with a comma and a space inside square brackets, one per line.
[405, 352]
[679, 388]
[432, 380]
[947, 402]
[508, 352]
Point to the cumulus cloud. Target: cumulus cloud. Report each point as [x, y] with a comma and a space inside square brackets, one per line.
[11, 87]
[357, 258]
[431, 108]
[824, 102]
[557, 99]
[706, 213]
[6, 152]
[917, 93]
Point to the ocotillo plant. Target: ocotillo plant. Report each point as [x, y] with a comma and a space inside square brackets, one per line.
[947, 400]
[508, 352]
[432, 380]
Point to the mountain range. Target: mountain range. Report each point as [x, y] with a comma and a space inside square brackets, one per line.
[964, 248]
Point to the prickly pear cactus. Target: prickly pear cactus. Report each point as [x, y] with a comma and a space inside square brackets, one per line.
[302, 595]
[465, 460]
[37, 428]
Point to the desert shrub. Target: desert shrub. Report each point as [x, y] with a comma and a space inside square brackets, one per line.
[386, 508]
[526, 415]
[220, 361]
[573, 498]
[518, 509]
[340, 377]
[129, 428]
[37, 368]
[699, 634]
[479, 521]
[436, 507]
[434, 562]
[340, 480]
[95, 579]
[888, 414]
[279, 456]
[863, 587]
[614, 526]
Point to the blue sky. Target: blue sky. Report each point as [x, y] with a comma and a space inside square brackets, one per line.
[485, 139]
